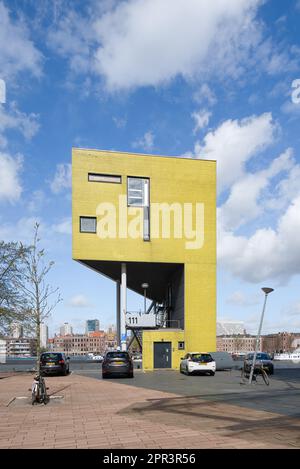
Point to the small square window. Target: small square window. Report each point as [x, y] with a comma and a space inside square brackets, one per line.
[180, 345]
[88, 224]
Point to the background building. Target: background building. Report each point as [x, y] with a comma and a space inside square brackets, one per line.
[21, 347]
[44, 335]
[281, 342]
[92, 325]
[230, 328]
[80, 344]
[237, 344]
[66, 329]
[16, 330]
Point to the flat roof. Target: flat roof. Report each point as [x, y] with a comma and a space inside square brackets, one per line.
[143, 154]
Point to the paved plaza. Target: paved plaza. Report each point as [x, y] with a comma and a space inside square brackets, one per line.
[85, 412]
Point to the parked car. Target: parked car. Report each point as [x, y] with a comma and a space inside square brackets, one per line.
[117, 363]
[98, 358]
[224, 360]
[55, 363]
[198, 362]
[262, 359]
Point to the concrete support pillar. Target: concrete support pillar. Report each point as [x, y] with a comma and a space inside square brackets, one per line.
[118, 312]
[123, 306]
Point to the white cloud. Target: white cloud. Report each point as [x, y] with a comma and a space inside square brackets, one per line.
[64, 227]
[146, 142]
[18, 53]
[245, 202]
[62, 178]
[201, 119]
[268, 253]
[12, 118]
[205, 95]
[10, 185]
[72, 38]
[234, 143]
[79, 301]
[141, 40]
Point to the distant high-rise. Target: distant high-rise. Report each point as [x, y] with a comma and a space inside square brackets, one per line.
[230, 327]
[43, 335]
[66, 329]
[16, 330]
[92, 325]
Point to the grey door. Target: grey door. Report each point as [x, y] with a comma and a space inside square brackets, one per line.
[162, 355]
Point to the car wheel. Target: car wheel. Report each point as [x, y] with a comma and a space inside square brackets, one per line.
[212, 373]
[130, 375]
[104, 376]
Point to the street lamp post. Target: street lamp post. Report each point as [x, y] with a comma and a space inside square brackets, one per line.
[266, 291]
[145, 286]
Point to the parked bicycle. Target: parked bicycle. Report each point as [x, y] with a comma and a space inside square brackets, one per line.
[259, 374]
[39, 391]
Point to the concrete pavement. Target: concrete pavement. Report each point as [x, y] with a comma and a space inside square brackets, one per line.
[109, 414]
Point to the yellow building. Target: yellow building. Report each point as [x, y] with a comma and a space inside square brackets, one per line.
[149, 223]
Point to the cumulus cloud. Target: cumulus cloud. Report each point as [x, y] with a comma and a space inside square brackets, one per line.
[234, 143]
[141, 40]
[12, 118]
[238, 298]
[205, 95]
[267, 254]
[245, 202]
[10, 170]
[18, 53]
[62, 178]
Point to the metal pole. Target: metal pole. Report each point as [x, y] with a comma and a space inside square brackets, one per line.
[258, 339]
[145, 300]
[118, 312]
[123, 307]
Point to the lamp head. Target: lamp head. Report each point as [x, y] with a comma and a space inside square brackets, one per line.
[267, 290]
[145, 285]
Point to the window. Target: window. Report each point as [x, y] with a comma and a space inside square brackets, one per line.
[138, 192]
[112, 178]
[180, 345]
[88, 224]
[138, 195]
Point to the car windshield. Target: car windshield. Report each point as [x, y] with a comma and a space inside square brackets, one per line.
[117, 355]
[201, 357]
[51, 356]
[259, 356]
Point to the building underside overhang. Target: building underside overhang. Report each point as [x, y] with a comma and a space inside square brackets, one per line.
[156, 274]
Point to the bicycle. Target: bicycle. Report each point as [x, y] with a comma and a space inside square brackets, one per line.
[39, 391]
[258, 374]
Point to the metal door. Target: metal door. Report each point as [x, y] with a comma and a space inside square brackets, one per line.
[162, 355]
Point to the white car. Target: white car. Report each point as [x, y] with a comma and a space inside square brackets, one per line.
[198, 362]
[98, 358]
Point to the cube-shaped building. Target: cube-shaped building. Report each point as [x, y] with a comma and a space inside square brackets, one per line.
[149, 224]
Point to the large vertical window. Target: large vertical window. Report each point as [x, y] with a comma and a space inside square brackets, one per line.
[138, 195]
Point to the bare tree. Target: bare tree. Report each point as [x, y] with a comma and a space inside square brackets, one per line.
[41, 298]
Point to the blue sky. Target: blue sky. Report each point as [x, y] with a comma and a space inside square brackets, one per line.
[201, 79]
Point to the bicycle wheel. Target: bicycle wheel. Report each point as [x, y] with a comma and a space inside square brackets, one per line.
[265, 377]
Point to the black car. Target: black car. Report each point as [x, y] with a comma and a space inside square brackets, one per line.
[117, 363]
[262, 360]
[54, 363]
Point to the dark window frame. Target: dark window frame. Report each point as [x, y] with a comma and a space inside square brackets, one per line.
[90, 218]
[106, 175]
